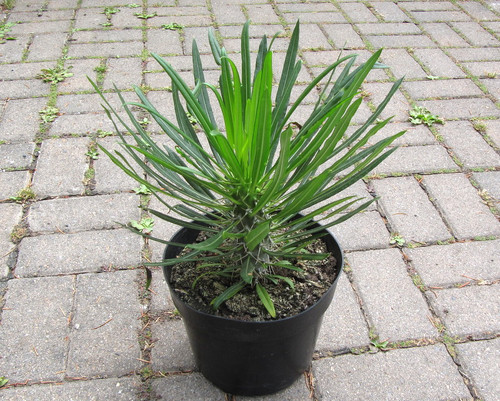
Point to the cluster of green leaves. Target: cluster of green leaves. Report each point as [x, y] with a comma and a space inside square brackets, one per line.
[247, 185]
[49, 114]
[174, 26]
[55, 75]
[5, 28]
[420, 115]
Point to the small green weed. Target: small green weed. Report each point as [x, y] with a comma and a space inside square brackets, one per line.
[379, 345]
[109, 11]
[3, 381]
[397, 239]
[103, 134]
[432, 77]
[93, 153]
[420, 115]
[145, 225]
[133, 5]
[4, 30]
[174, 26]
[49, 114]
[101, 69]
[17, 234]
[55, 75]
[491, 75]
[144, 122]
[24, 195]
[142, 190]
[479, 126]
[145, 16]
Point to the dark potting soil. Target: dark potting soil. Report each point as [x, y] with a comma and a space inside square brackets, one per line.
[309, 285]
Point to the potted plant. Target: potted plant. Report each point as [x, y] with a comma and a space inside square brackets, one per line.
[252, 271]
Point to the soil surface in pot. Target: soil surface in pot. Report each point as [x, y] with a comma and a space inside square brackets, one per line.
[309, 285]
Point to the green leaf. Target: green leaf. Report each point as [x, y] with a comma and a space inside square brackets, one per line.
[247, 269]
[3, 381]
[265, 299]
[255, 237]
[227, 294]
[149, 278]
[210, 244]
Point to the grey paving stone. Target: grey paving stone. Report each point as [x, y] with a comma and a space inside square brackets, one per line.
[439, 63]
[10, 215]
[493, 130]
[12, 182]
[477, 10]
[483, 69]
[36, 27]
[400, 41]
[88, 18]
[160, 294]
[391, 376]
[439, 16]
[123, 72]
[103, 340]
[82, 124]
[343, 36]
[41, 16]
[20, 120]
[110, 49]
[363, 231]
[442, 88]
[164, 42]
[482, 359]
[184, 20]
[358, 12]
[476, 34]
[409, 211]
[461, 206]
[297, 391]
[474, 54]
[24, 70]
[398, 106]
[388, 28]
[489, 181]
[108, 176]
[314, 17]
[90, 251]
[122, 389]
[444, 35]
[390, 11]
[443, 265]
[416, 135]
[171, 352]
[17, 155]
[471, 310]
[402, 64]
[468, 145]
[12, 50]
[47, 46]
[94, 213]
[79, 82]
[262, 13]
[229, 14]
[188, 387]
[493, 86]
[126, 18]
[107, 36]
[90, 103]
[416, 159]
[61, 167]
[398, 312]
[461, 108]
[23, 88]
[35, 325]
[343, 325]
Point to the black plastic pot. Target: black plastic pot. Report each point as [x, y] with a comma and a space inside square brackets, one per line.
[252, 358]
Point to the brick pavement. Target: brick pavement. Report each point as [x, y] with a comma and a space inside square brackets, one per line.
[75, 322]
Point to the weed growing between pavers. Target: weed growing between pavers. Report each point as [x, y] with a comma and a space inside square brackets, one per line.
[24, 195]
[420, 115]
[49, 114]
[4, 30]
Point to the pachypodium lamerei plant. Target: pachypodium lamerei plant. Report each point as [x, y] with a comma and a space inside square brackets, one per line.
[259, 169]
